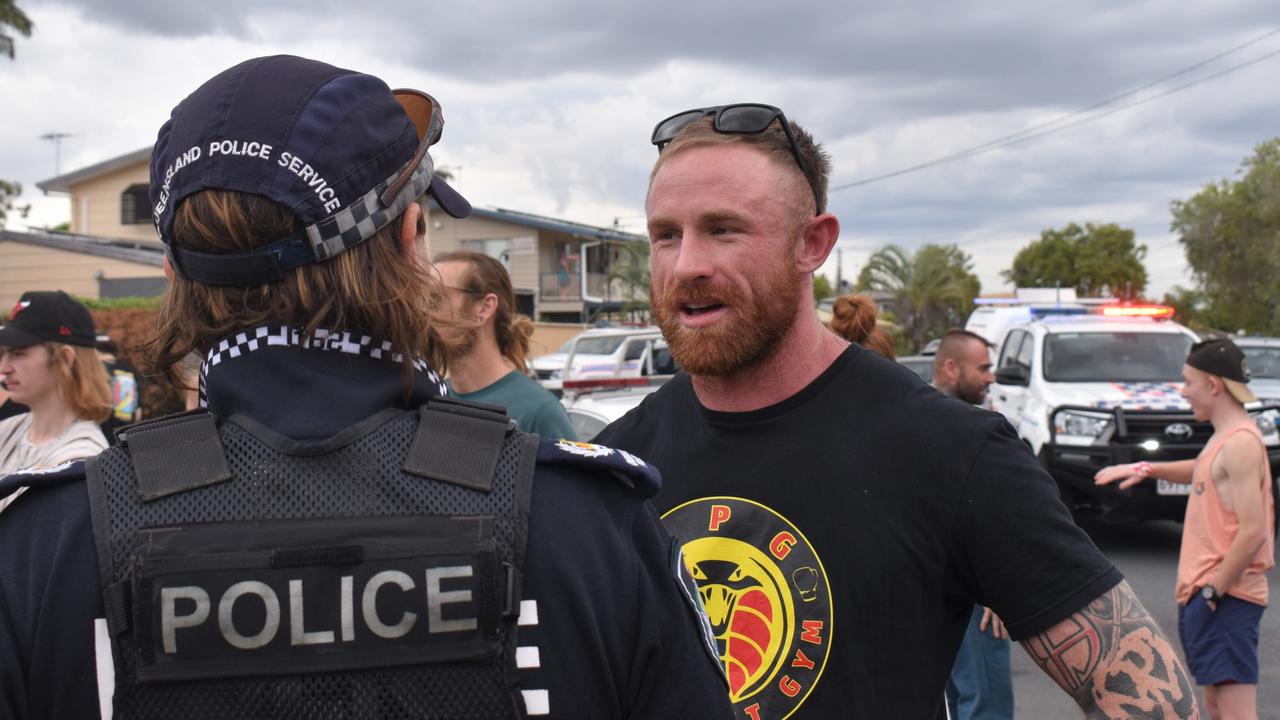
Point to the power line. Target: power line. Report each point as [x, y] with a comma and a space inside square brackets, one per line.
[1057, 124]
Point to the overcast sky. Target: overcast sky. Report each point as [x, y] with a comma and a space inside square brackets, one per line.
[550, 104]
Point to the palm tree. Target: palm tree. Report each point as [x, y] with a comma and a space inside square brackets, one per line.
[932, 289]
[11, 16]
[630, 268]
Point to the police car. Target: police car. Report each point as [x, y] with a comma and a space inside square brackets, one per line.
[594, 403]
[596, 353]
[1089, 384]
[1263, 356]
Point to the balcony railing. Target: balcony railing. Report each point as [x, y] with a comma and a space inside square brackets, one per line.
[554, 286]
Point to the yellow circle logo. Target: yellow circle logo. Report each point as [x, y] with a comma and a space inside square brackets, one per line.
[767, 598]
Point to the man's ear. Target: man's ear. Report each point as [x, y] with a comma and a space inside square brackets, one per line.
[817, 239]
[168, 269]
[487, 307]
[410, 223]
[1216, 386]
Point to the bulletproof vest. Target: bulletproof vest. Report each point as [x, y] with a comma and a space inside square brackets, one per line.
[375, 574]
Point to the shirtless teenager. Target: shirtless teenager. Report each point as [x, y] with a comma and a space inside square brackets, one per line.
[1227, 544]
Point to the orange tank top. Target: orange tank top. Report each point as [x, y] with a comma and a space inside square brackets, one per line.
[1209, 529]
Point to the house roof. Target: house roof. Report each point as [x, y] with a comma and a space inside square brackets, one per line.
[136, 251]
[543, 222]
[63, 183]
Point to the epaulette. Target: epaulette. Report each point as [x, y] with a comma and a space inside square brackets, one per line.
[627, 468]
[37, 477]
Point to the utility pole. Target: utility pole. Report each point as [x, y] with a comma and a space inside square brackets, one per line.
[839, 271]
[56, 138]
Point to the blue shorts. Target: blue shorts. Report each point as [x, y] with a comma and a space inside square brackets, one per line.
[1221, 647]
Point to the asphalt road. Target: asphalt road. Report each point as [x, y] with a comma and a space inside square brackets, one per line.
[1147, 554]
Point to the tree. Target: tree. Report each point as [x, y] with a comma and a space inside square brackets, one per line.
[1230, 231]
[9, 190]
[630, 269]
[11, 16]
[1095, 260]
[933, 288]
[822, 288]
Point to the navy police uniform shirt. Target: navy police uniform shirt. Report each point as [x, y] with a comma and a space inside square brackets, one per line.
[607, 628]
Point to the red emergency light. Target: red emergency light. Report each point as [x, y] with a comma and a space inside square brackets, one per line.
[605, 383]
[1150, 311]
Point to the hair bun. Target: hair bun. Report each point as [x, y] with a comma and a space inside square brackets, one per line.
[854, 317]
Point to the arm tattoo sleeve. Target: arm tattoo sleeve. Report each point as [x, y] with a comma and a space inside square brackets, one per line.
[1115, 662]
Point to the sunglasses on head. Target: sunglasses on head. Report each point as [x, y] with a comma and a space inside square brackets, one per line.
[428, 120]
[735, 119]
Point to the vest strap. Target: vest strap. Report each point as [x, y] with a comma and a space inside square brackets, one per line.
[176, 454]
[458, 443]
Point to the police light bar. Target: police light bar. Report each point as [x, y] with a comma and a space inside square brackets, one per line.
[605, 383]
[1147, 311]
[1065, 310]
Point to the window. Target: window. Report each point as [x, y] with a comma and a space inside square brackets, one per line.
[1115, 357]
[135, 205]
[1009, 354]
[497, 248]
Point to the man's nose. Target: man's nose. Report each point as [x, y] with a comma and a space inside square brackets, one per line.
[694, 260]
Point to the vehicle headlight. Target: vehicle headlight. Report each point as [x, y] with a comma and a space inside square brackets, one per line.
[1076, 427]
[1267, 421]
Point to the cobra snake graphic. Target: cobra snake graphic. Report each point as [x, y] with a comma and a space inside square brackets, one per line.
[741, 614]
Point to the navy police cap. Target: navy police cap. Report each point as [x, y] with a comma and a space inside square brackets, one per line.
[339, 148]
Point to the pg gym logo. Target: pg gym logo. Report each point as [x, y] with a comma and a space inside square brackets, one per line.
[766, 595]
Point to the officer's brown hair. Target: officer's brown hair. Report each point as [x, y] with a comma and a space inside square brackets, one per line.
[371, 287]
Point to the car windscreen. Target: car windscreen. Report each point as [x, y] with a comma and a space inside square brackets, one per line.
[921, 367]
[1115, 357]
[1264, 362]
[600, 345]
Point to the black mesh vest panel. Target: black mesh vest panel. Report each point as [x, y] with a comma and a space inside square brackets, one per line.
[312, 580]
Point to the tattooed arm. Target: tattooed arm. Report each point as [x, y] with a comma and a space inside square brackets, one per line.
[1112, 658]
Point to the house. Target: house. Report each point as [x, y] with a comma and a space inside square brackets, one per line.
[85, 266]
[562, 271]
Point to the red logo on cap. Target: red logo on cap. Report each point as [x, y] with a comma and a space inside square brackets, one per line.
[18, 307]
[64, 330]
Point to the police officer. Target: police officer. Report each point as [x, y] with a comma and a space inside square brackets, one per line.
[330, 536]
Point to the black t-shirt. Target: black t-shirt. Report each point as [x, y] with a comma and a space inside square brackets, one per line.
[841, 537]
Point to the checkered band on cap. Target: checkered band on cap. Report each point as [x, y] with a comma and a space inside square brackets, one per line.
[357, 222]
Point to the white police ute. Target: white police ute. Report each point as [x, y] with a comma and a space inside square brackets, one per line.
[1090, 383]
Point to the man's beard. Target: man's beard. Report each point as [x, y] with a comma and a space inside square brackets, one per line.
[461, 339]
[972, 394]
[751, 332]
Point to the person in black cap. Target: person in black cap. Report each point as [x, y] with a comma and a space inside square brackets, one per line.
[1227, 543]
[49, 365]
[331, 536]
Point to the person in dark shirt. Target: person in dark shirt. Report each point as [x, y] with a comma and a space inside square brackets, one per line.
[307, 351]
[841, 517]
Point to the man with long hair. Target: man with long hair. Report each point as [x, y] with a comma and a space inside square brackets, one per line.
[490, 346]
[49, 365]
[329, 535]
[841, 517]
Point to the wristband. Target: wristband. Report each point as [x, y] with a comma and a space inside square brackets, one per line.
[1142, 468]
